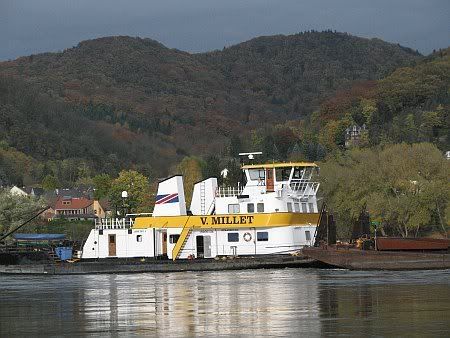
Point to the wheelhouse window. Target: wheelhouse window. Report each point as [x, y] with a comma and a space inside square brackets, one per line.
[311, 207]
[282, 174]
[233, 237]
[257, 174]
[260, 207]
[296, 207]
[250, 208]
[233, 208]
[173, 239]
[139, 238]
[289, 206]
[298, 173]
[262, 236]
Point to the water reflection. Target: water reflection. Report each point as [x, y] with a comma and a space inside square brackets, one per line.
[247, 303]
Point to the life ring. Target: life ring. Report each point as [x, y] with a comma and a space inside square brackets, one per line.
[247, 237]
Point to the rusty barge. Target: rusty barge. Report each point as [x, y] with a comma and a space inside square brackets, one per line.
[358, 259]
[378, 253]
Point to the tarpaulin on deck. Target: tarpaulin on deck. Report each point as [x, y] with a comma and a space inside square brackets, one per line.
[39, 237]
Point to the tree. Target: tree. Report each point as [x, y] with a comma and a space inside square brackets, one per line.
[211, 167]
[234, 173]
[50, 182]
[190, 168]
[406, 187]
[102, 185]
[137, 187]
[15, 209]
[235, 146]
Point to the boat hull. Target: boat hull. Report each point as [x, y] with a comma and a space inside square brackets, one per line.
[355, 259]
[397, 243]
[109, 266]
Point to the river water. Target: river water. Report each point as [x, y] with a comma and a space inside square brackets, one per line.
[286, 302]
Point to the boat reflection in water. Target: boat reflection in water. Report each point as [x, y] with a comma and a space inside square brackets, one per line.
[254, 303]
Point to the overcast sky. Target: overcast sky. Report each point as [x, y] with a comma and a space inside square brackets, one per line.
[33, 26]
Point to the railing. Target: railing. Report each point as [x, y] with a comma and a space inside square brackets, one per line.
[229, 191]
[113, 223]
[305, 188]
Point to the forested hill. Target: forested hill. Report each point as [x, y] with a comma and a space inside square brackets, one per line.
[263, 76]
[118, 102]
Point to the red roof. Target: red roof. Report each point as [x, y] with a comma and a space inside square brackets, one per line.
[72, 203]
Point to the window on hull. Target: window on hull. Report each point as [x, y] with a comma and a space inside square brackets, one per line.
[233, 237]
[233, 208]
[250, 208]
[260, 207]
[262, 236]
[173, 239]
[308, 235]
[304, 209]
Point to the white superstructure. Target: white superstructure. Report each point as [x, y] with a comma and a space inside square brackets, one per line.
[274, 211]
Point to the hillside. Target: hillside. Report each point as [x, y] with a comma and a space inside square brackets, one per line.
[411, 105]
[122, 102]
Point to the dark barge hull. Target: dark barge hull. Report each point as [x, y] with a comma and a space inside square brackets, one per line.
[400, 243]
[127, 266]
[355, 259]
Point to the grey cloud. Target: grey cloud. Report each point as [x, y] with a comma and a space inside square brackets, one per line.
[28, 27]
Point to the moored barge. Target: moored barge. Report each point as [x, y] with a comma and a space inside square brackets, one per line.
[358, 259]
[379, 253]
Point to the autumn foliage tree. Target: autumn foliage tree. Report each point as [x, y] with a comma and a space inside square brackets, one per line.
[191, 170]
[405, 187]
[137, 187]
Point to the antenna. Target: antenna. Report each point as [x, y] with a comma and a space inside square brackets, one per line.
[250, 156]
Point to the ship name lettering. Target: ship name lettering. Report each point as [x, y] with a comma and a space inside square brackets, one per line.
[228, 220]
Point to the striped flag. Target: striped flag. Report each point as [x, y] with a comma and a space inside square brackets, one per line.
[168, 198]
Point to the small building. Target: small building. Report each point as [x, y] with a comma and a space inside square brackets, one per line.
[447, 155]
[27, 191]
[353, 135]
[102, 208]
[15, 190]
[35, 192]
[48, 214]
[74, 208]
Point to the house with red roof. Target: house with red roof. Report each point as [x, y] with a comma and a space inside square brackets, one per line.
[74, 208]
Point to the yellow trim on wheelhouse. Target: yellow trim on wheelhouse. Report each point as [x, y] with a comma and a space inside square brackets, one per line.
[279, 165]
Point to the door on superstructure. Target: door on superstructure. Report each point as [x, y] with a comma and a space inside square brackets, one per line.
[164, 242]
[112, 245]
[199, 244]
[269, 180]
[203, 246]
[207, 246]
